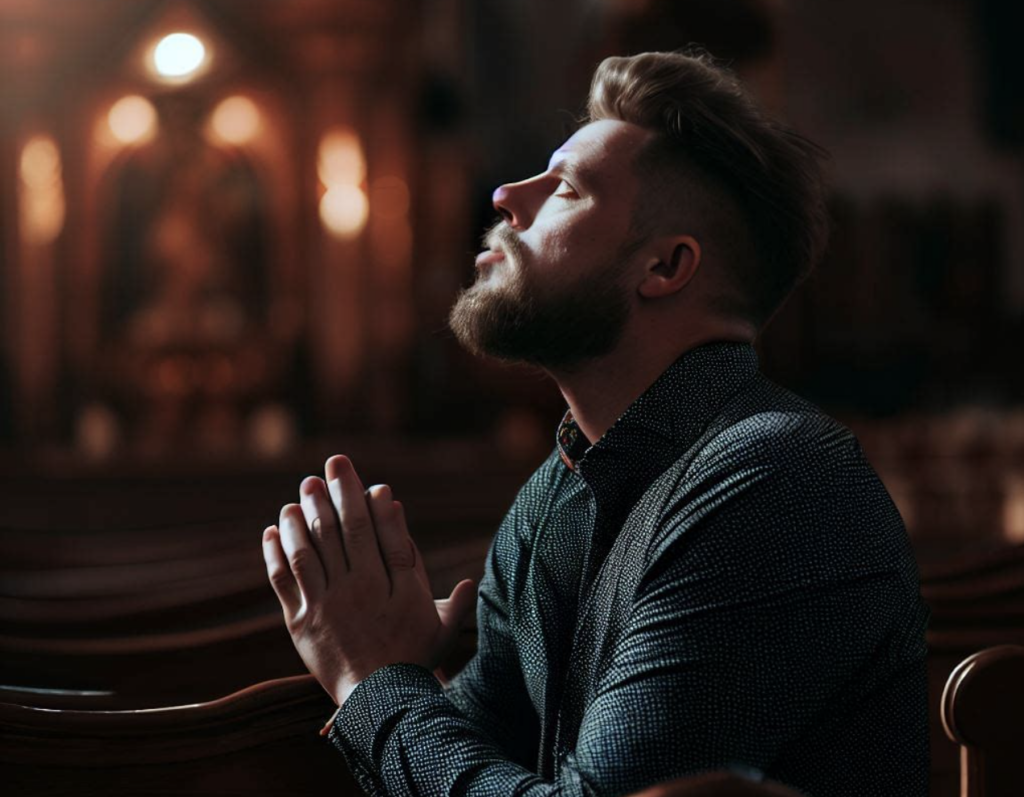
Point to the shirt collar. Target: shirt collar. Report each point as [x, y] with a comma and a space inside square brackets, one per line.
[661, 424]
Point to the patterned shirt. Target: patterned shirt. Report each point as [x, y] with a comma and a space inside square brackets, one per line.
[721, 581]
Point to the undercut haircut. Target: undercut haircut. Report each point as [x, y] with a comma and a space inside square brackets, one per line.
[750, 189]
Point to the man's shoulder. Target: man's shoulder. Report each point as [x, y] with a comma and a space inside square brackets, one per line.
[769, 426]
[776, 482]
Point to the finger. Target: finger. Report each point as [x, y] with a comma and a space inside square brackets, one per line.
[357, 531]
[457, 608]
[324, 530]
[395, 545]
[419, 567]
[280, 574]
[453, 613]
[302, 556]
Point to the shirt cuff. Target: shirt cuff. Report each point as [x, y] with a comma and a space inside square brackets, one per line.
[369, 715]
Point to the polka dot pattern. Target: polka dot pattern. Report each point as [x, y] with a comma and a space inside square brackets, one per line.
[721, 581]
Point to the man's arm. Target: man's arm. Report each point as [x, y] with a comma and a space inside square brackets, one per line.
[738, 645]
[490, 690]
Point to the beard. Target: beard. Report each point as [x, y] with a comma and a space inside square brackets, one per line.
[557, 328]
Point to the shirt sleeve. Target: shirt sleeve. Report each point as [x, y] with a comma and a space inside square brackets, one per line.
[723, 662]
[490, 690]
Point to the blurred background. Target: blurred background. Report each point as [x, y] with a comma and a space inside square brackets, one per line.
[232, 229]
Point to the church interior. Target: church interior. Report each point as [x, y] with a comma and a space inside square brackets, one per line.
[230, 235]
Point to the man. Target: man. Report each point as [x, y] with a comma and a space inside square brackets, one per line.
[705, 573]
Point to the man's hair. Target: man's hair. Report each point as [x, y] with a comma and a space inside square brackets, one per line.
[754, 189]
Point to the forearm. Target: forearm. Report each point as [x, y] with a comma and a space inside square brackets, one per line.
[400, 728]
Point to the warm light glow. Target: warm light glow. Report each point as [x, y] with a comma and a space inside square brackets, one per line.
[40, 162]
[236, 120]
[343, 210]
[1013, 510]
[341, 159]
[41, 193]
[132, 119]
[178, 55]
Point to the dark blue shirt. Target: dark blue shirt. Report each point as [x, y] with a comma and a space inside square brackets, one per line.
[720, 581]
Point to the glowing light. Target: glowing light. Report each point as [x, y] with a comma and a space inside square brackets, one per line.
[236, 120]
[97, 431]
[132, 119]
[41, 194]
[178, 55]
[1013, 510]
[272, 430]
[341, 159]
[40, 162]
[343, 210]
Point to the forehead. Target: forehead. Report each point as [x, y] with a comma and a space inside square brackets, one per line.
[602, 151]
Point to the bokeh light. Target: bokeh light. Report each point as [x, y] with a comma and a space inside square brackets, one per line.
[40, 162]
[132, 120]
[178, 55]
[343, 210]
[236, 120]
[41, 203]
[341, 159]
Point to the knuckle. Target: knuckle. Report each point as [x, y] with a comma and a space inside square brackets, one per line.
[297, 623]
[358, 527]
[399, 558]
[299, 559]
[279, 577]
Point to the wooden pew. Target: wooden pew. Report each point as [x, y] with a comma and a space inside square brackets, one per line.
[983, 712]
[194, 638]
[155, 669]
[976, 602]
[260, 741]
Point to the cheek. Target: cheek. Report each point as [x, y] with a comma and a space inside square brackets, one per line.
[558, 241]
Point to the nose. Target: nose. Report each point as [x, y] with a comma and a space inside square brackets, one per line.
[518, 202]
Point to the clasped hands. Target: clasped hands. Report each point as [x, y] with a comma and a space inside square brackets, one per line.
[352, 583]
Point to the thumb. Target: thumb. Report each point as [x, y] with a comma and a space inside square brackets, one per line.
[454, 610]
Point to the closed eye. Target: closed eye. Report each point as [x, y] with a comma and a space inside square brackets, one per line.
[564, 189]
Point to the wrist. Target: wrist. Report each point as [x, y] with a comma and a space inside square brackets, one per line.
[345, 689]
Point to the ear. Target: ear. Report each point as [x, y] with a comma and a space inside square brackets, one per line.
[674, 266]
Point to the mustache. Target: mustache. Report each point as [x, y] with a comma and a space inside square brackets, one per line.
[500, 236]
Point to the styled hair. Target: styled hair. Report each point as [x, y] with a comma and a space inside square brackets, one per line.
[755, 188]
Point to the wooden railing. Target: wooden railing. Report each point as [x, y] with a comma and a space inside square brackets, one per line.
[983, 712]
[261, 740]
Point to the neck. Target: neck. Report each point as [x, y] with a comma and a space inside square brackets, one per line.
[600, 391]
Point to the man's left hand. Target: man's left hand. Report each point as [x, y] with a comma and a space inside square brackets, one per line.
[352, 584]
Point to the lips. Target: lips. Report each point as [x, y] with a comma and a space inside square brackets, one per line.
[489, 257]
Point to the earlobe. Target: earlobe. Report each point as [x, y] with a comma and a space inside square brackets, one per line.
[670, 274]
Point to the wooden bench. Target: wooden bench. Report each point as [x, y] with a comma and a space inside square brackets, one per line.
[976, 602]
[983, 712]
[262, 740]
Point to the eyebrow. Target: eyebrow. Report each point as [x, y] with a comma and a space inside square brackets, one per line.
[568, 167]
